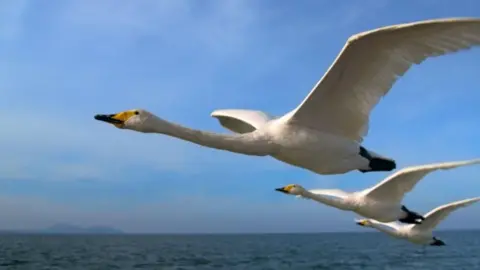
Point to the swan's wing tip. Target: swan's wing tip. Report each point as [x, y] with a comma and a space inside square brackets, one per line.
[363, 34]
[215, 113]
[474, 161]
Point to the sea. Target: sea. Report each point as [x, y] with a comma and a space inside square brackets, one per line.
[336, 251]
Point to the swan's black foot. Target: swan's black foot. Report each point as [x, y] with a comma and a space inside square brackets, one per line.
[382, 165]
[377, 164]
[412, 217]
[437, 242]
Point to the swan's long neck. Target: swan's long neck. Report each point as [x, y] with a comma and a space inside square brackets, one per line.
[384, 228]
[326, 199]
[253, 143]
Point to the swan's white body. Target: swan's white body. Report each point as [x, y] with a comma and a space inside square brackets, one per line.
[382, 202]
[324, 133]
[421, 234]
[318, 151]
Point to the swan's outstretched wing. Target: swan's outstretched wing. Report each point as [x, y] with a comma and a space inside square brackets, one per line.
[368, 66]
[241, 121]
[394, 187]
[434, 217]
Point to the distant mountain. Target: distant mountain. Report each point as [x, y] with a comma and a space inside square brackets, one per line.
[63, 228]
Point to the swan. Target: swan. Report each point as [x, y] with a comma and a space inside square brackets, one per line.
[382, 202]
[420, 234]
[324, 134]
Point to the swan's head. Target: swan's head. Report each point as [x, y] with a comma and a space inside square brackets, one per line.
[131, 119]
[292, 189]
[437, 242]
[363, 222]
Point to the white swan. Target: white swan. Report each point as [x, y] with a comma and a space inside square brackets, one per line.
[382, 202]
[419, 233]
[324, 133]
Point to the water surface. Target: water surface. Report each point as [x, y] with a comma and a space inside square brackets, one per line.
[336, 251]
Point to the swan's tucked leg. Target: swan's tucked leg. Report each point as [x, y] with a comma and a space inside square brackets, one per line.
[376, 163]
[411, 217]
[437, 242]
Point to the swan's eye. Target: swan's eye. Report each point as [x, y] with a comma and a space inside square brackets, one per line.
[136, 112]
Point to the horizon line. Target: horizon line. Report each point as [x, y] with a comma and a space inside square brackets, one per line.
[40, 232]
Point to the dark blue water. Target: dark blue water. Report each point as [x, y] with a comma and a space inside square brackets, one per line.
[283, 251]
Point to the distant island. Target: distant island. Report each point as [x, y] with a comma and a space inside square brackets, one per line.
[64, 228]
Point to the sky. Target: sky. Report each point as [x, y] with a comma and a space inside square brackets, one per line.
[65, 61]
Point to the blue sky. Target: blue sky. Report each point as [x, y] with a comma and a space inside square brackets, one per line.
[64, 61]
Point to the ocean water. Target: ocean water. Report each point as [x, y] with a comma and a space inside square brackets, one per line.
[335, 251]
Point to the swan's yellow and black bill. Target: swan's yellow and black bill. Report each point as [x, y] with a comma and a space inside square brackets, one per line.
[118, 119]
[285, 189]
[362, 222]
